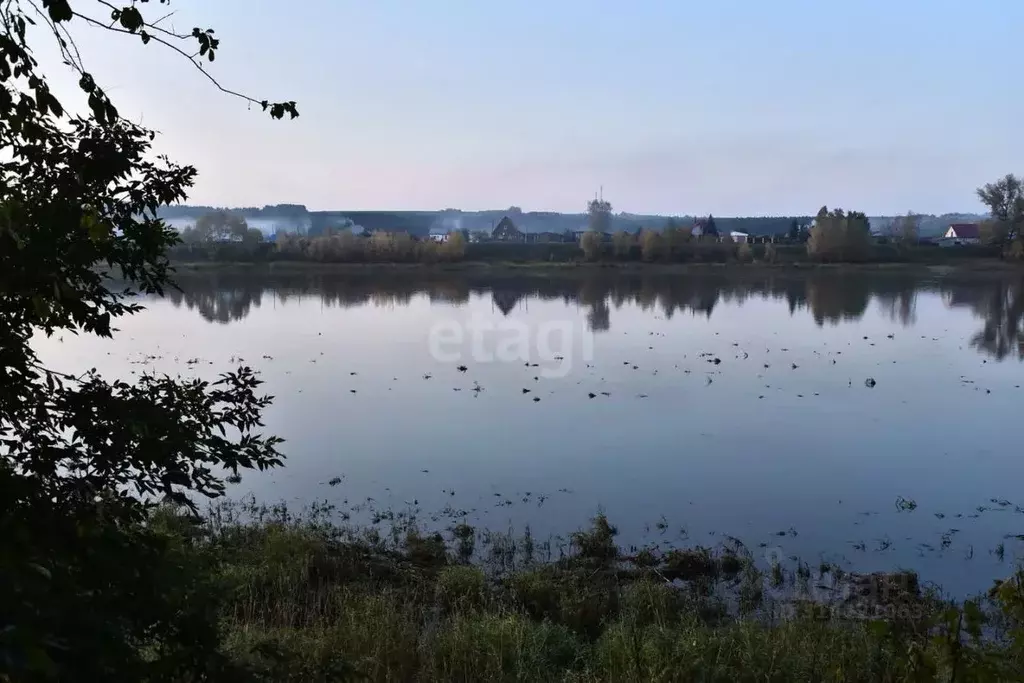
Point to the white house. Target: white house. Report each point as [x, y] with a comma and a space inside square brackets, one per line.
[739, 237]
[438, 235]
[962, 233]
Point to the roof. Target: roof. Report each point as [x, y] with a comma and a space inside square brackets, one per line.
[966, 230]
[505, 226]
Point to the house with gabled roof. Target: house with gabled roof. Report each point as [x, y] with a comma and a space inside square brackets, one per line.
[961, 233]
[506, 231]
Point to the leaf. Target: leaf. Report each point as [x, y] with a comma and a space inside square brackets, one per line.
[131, 19]
[87, 83]
[59, 10]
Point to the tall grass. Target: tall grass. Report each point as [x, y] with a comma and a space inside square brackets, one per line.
[304, 599]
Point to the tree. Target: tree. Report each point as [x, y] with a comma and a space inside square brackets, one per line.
[189, 235]
[1005, 201]
[672, 239]
[253, 236]
[599, 215]
[90, 591]
[622, 243]
[837, 236]
[221, 226]
[651, 245]
[590, 242]
[992, 232]
[455, 247]
[794, 231]
[710, 228]
[906, 230]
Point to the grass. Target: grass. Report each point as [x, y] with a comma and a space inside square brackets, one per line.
[303, 599]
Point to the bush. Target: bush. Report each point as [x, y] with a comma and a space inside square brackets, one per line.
[1016, 250]
[744, 253]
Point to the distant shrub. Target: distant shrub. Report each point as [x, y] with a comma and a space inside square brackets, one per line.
[744, 253]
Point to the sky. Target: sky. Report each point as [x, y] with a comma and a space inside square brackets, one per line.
[731, 107]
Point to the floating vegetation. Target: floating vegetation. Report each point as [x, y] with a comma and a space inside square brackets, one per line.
[905, 504]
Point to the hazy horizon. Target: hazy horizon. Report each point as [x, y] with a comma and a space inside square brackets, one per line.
[733, 109]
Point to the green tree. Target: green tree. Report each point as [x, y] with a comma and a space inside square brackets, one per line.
[672, 239]
[590, 243]
[837, 236]
[599, 215]
[89, 590]
[253, 236]
[220, 226]
[710, 229]
[1005, 201]
[992, 232]
[622, 243]
[794, 231]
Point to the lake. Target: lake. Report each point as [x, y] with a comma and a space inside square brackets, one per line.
[862, 418]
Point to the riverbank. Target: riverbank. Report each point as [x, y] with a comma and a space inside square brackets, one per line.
[966, 265]
[301, 598]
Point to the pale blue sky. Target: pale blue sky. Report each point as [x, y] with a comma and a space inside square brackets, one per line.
[734, 107]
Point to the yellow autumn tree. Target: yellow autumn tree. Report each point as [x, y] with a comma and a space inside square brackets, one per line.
[590, 242]
[652, 245]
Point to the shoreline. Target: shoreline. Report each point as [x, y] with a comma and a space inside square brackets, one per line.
[967, 265]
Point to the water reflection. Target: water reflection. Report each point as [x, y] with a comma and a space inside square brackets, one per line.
[831, 298]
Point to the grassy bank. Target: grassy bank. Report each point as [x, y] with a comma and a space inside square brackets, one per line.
[562, 255]
[302, 599]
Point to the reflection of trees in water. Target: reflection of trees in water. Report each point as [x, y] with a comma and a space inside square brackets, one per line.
[219, 303]
[829, 297]
[505, 300]
[1000, 304]
[599, 317]
[900, 306]
[833, 304]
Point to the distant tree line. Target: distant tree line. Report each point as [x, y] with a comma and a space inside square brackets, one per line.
[380, 247]
[221, 226]
[833, 236]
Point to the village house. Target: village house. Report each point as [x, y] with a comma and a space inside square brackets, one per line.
[438, 235]
[506, 231]
[961, 233]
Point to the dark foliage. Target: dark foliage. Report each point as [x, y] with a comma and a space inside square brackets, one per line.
[89, 591]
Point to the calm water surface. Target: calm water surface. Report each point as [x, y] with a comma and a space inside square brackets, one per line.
[781, 435]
